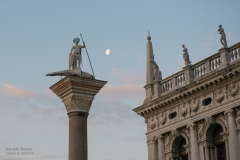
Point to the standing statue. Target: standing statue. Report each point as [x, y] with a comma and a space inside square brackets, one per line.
[223, 36]
[156, 72]
[75, 58]
[186, 56]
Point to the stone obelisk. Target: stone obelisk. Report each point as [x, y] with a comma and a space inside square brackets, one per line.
[77, 91]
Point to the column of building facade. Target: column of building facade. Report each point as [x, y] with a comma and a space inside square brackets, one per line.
[194, 142]
[207, 156]
[161, 152]
[152, 149]
[201, 150]
[225, 139]
[233, 137]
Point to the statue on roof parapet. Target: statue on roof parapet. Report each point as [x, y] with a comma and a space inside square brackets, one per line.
[223, 36]
[186, 56]
[156, 72]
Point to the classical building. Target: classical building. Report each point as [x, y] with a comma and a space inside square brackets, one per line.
[194, 114]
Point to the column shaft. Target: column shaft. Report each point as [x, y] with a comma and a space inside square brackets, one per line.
[233, 137]
[207, 153]
[227, 150]
[201, 152]
[212, 153]
[194, 143]
[78, 149]
[161, 155]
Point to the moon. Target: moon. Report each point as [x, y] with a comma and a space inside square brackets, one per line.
[107, 51]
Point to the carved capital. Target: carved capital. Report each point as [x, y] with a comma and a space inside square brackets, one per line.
[192, 126]
[75, 103]
[229, 113]
[160, 138]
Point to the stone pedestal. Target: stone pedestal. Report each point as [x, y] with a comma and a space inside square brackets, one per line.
[77, 95]
[225, 57]
[156, 89]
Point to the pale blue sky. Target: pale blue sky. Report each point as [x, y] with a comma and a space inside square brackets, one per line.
[36, 38]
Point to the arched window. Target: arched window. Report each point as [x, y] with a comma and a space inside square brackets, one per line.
[180, 149]
[218, 143]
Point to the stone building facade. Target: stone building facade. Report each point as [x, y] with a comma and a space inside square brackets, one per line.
[194, 114]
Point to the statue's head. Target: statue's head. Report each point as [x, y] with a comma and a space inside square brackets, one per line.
[183, 45]
[220, 26]
[76, 40]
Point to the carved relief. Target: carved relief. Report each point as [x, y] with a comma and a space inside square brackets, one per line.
[185, 109]
[224, 119]
[77, 103]
[233, 89]
[200, 129]
[219, 96]
[151, 122]
[168, 139]
[163, 118]
[238, 117]
[195, 105]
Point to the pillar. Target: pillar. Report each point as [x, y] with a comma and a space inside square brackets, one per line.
[156, 89]
[201, 151]
[233, 137]
[212, 153]
[194, 142]
[207, 153]
[77, 94]
[152, 152]
[161, 155]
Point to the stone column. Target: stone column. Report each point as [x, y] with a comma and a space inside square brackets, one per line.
[227, 148]
[207, 153]
[201, 151]
[212, 153]
[233, 137]
[77, 94]
[161, 155]
[152, 149]
[194, 142]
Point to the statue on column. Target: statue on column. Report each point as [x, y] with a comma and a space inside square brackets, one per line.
[75, 58]
[223, 36]
[186, 56]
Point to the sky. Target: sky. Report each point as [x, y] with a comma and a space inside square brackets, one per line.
[36, 39]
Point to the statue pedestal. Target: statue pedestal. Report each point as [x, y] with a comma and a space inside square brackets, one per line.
[77, 95]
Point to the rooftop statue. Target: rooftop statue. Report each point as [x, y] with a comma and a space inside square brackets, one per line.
[75, 59]
[223, 36]
[156, 72]
[186, 56]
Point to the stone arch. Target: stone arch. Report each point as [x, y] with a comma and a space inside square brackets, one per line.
[210, 128]
[176, 142]
[175, 139]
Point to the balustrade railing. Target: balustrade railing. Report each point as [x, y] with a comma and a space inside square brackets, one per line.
[200, 70]
[167, 85]
[180, 79]
[235, 53]
[215, 63]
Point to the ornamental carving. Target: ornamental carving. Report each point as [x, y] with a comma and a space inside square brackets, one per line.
[77, 104]
[219, 96]
[201, 126]
[163, 118]
[151, 123]
[195, 105]
[238, 117]
[168, 139]
[184, 109]
[233, 89]
[224, 120]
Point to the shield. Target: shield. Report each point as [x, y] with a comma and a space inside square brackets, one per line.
[71, 60]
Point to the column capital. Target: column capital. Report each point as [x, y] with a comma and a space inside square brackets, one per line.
[160, 138]
[192, 126]
[77, 93]
[229, 113]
